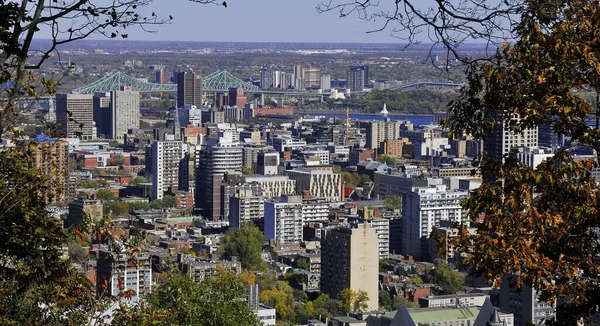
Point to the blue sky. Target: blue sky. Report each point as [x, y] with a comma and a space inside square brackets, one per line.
[259, 21]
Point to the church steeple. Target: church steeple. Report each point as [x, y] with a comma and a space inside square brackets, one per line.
[495, 319]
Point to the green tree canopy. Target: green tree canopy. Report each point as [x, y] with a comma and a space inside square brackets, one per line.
[353, 300]
[179, 301]
[388, 160]
[137, 180]
[393, 203]
[445, 277]
[105, 195]
[169, 201]
[246, 244]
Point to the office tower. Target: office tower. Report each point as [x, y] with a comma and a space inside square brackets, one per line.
[311, 76]
[323, 184]
[189, 89]
[121, 272]
[355, 80]
[237, 97]
[51, 158]
[214, 159]
[379, 131]
[365, 69]
[116, 112]
[167, 156]
[78, 122]
[80, 208]
[422, 210]
[350, 260]
[283, 220]
[267, 163]
[500, 142]
[245, 207]
[325, 82]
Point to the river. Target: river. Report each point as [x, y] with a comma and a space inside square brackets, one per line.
[421, 120]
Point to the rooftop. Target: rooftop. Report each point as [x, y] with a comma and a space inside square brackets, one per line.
[430, 315]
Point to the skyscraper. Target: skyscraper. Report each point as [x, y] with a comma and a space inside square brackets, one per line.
[311, 76]
[167, 156]
[189, 89]
[365, 69]
[422, 210]
[116, 112]
[75, 114]
[379, 131]
[51, 158]
[214, 159]
[325, 82]
[350, 260]
[356, 77]
[500, 142]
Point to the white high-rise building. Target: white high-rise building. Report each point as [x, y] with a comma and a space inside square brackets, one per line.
[500, 142]
[382, 227]
[325, 82]
[423, 209]
[167, 156]
[283, 220]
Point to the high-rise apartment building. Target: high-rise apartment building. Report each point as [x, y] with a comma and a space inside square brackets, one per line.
[355, 80]
[365, 69]
[215, 158]
[123, 273]
[501, 141]
[189, 89]
[283, 220]
[382, 227]
[422, 210]
[167, 156]
[350, 260]
[51, 158]
[325, 82]
[116, 112]
[379, 131]
[245, 207]
[311, 76]
[75, 114]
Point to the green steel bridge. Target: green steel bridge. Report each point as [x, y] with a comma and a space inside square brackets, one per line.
[218, 81]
